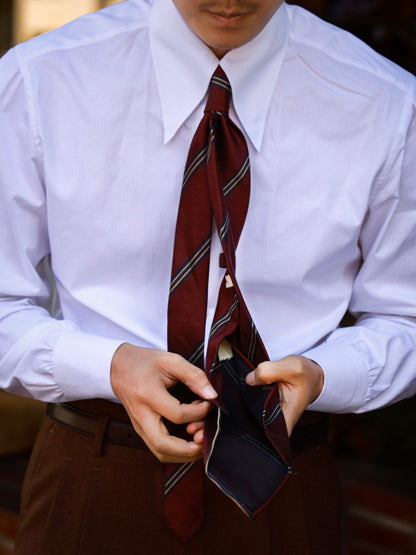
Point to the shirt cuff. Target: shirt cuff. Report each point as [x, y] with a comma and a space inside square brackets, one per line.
[345, 378]
[81, 365]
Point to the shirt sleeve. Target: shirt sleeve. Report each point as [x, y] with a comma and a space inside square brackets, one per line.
[40, 356]
[373, 363]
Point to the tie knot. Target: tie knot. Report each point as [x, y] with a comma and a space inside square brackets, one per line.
[219, 93]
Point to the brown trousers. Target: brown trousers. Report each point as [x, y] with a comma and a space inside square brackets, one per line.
[76, 502]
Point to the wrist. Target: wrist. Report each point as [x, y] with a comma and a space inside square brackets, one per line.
[122, 359]
[319, 377]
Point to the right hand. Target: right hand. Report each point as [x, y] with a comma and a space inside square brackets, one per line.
[140, 378]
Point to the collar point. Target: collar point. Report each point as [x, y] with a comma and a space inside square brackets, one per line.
[255, 136]
[257, 142]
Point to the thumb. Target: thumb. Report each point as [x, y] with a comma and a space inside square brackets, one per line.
[194, 378]
[262, 376]
[291, 412]
[265, 373]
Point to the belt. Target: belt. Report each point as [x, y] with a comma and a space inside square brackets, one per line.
[86, 417]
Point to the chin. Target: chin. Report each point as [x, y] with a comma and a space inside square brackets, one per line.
[222, 47]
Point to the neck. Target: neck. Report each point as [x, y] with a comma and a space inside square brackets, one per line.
[219, 52]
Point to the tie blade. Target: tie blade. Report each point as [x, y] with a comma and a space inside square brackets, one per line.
[245, 468]
[183, 506]
[248, 451]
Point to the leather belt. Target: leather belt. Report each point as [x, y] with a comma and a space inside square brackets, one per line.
[71, 416]
[85, 417]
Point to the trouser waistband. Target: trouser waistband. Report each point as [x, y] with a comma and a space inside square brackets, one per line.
[110, 421]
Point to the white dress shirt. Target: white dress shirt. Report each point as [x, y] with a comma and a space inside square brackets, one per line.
[96, 120]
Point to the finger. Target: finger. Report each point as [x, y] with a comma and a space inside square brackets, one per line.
[290, 368]
[166, 447]
[265, 373]
[192, 376]
[168, 406]
[291, 415]
[194, 427]
[199, 437]
[290, 422]
[293, 402]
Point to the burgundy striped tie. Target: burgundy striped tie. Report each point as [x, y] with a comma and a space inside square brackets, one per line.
[249, 427]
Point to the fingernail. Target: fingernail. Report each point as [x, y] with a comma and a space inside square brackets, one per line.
[250, 378]
[209, 392]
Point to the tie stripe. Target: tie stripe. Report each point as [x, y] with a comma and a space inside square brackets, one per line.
[274, 414]
[224, 228]
[195, 163]
[190, 265]
[230, 185]
[196, 354]
[181, 471]
[211, 140]
[216, 366]
[253, 340]
[225, 319]
[221, 82]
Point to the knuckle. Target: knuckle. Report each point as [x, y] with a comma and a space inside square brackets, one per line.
[177, 415]
[165, 360]
[162, 457]
[297, 365]
[158, 448]
[262, 371]
[195, 377]
[174, 358]
[196, 374]
[142, 393]
[174, 361]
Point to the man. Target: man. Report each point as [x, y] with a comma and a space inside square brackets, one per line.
[96, 120]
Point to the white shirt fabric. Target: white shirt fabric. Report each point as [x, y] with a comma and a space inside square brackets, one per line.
[96, 120]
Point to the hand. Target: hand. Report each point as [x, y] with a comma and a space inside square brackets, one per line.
[299, 380]
[140, 378]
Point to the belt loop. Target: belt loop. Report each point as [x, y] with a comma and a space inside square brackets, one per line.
[100, 435]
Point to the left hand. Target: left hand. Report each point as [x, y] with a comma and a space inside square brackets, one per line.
[299, 379]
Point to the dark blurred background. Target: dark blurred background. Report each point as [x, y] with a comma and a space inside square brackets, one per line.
[376, 452]
[386, 25]
[5, 24]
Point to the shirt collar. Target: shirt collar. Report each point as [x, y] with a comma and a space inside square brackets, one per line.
[184, 66]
